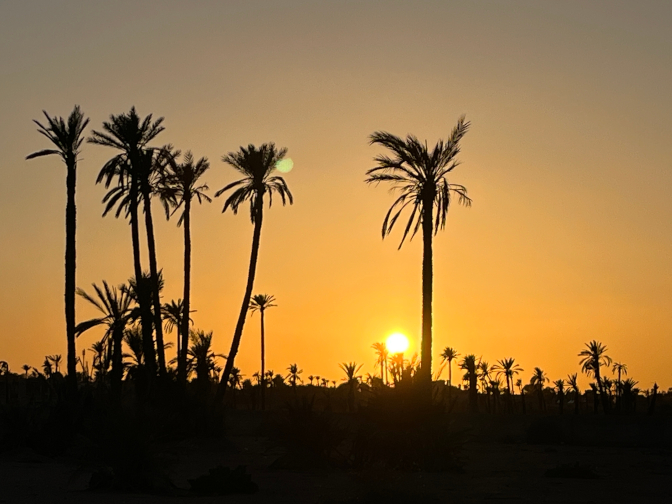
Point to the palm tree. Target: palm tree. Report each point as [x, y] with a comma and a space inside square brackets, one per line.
[352, 379]
[101, 358]
[257, 166]
[25, 368]
[173, 313]
[131, 135]
[449, 355]
[179, 187]
[133, 338]
[382, 354]
[293, 375]
[67, 137]
[470, 364]
[539, 378]
[421, 177]
[560, 389]
[592, 358]
[260, 303]
[115, 305]
[519, 384]
[56, 361]
[202, 358]
[508, 368]
[620, 369]
[572, 382]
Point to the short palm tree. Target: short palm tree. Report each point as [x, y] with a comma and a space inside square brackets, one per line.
[179, 187]
[293, 376]
[382, 354]
[421, 178]
[449, 355]
[509, 369]
[173, 314]
[592, 358]
[560, 389]
[352, 379]
[131, 135]
[116, 307]
[539, 378]
[260, 303]
[202, 358]
[67, 137]
[470, 364]
[572, 382]
[257, 166]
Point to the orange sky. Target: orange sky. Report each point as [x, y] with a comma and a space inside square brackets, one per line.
[568, 162]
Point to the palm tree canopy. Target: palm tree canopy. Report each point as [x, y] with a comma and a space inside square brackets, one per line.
[449, 354]
[260, 302]
[257, 166]
[420, 176]
[114, 304]
[350, 369]
[507, 367]
[66, 136]
[181, 183]
[594, 356]
[172, 314]
[127, 132]
[539, 377]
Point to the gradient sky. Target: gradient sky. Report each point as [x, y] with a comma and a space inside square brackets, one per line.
[568, 162]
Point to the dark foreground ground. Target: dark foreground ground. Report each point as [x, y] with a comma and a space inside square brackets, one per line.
[499, 462]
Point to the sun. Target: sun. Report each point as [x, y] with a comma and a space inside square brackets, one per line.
[396, 343]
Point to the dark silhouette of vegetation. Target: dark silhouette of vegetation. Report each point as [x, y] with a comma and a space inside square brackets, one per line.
[592, 358]
[421, 178]
[67, 137]
[260, 303]
[257, 166]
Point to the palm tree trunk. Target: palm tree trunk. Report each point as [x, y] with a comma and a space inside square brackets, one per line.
[427, 277]
[117, 364]
[600, 387]
[70, 273]
[263, 365]
[153, 271]
[577, 397]
[143, 301]
[235, 343]
[184, 329]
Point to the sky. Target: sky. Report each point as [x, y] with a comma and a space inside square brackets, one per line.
[568, 160]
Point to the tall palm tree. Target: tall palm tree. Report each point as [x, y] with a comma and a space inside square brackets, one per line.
[260, 303]
[67, 137]
[257, 166]
[382, 354]
[592, 358]
[572, 382]
[449, 355]
[421, 178]
[508, 368]
[179, 187]
[116, 308]
[131, 135]
[539, 378]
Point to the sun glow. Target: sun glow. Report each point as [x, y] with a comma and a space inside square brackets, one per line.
[396, 343]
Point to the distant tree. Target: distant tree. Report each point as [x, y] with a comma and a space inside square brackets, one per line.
[382, 355]
[26, 368]
[592, 358]
[201, 357]
[131, 135]
[421, 178]
[56, 361]
[67, 138]
[311, 378]
[257, 166]
[173, 314]
[133, 338]
[620, 369]
[509, 369]
[449, 355]
[115, 306]
[235, 380]
[260, 303]
[179, 187]
[352, 379]
[539, 378]
[560, 390]
[521, 390]
[572, 381]
[293, 375]
[47, 368]
[470, 364]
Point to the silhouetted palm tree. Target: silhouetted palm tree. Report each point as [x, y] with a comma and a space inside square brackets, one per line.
[260, 303]
[592, 358]
[26, 368]
[352, 379]
[470, 364]
[572, 381]
[67, 137]
[131, 135]
[449, 355]
[133, 338]
[509, 369]
[257, 166]
[539, 378]
[115, 305]
[560, 389]
[202, 358]
[382, 354]
[180, 186]
[620, 369]
[172, 317]
[293, 375]
[421, 177]
[521, 390]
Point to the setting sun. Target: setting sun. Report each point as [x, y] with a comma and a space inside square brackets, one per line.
[397, 343]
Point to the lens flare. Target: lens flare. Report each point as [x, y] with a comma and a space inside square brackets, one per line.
[284, 165]
[396, 343]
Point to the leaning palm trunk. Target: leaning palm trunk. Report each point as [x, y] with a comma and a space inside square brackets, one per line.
[246, 300]
[184, 329]
[70, 272]
[427, 277]
[153, 270]
[143, 298]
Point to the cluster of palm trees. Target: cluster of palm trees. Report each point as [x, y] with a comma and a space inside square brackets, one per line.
[138, 173]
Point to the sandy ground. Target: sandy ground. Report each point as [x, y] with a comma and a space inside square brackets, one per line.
[492, 472]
